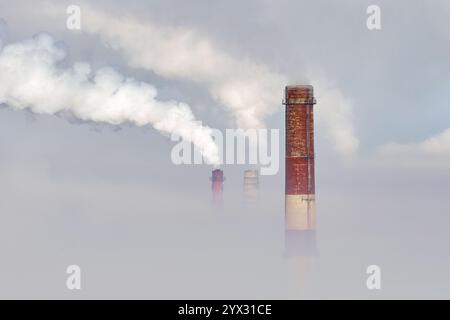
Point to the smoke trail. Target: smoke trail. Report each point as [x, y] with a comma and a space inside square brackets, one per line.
[335, 113]
[249, 91]
[30, 77]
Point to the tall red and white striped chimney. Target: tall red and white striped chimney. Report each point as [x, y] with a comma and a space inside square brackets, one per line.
[300, 209]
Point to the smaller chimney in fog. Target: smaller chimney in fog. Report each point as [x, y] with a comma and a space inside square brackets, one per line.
[217, 180]
[251, 186]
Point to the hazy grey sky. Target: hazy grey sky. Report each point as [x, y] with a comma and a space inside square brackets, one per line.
[109, 199]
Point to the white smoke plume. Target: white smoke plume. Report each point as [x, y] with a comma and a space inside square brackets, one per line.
[31, 77]
[248, 90]
[334, 113]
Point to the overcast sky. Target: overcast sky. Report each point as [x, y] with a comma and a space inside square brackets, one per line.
[108, 197]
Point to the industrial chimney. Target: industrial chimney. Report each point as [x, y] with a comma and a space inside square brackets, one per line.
[300, 209]
[217, 180]
[251, 186]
